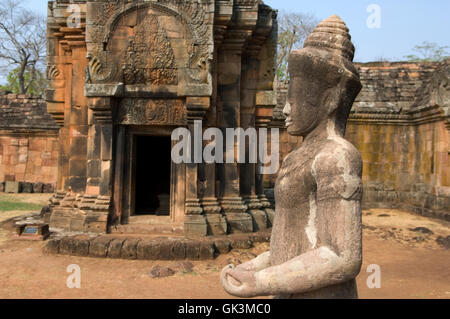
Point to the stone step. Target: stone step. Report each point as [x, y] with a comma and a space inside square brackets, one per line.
[147, 229]
[144, 247]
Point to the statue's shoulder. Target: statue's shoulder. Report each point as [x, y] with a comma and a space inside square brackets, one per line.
[338, 156]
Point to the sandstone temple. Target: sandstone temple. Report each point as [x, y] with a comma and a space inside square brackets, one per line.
[124, 78]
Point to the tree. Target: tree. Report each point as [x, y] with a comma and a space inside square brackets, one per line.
[22, 44]
[429, 52]
[292, 32]
[36, 86]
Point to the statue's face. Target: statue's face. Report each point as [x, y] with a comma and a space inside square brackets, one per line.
[303, 110]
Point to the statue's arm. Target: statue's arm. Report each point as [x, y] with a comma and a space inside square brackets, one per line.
[337, 256]
[323, 266]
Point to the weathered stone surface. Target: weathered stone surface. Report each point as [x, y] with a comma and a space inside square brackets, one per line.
[179, 250]
[82, 246]
[193, 249]
[129, 248]
[67, 246]
[148, 249]
[260, 220]
[52, 246]
[99, 246]
[240, 242]
[27, 187]
[12, 187]
[115, 248]
[207, 250]
[223, 246]
[165, 249]
[38, 187]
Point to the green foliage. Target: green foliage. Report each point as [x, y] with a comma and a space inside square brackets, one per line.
[36, 87]
[429, 52]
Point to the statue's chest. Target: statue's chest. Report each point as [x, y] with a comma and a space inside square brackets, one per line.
[295, 182]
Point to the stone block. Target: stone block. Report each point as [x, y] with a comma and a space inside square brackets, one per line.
[52, 246]
[207, 250]
[239, 222]
[67, 246]
[27, 188]
[241, 242]
[260, 220]
[82, 246]
[12, 187]
[223, 246]
[193, 250]
[179, 250]
[165, 249]
[115, 248]
[195, 225]
[148, 249]
[129, 248]
[38, 187]
[99, 247]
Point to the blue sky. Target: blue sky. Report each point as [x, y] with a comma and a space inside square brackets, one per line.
[403, 23]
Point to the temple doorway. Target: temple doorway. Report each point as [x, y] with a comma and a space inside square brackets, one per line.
[152, 175]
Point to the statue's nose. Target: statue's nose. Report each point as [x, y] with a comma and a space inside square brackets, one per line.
[287, 109]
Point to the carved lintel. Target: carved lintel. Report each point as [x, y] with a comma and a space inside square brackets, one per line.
[152, 112]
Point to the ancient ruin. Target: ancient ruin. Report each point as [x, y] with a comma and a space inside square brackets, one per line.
[29, 146]
[400, 123]
[315, 248]
[123, 78]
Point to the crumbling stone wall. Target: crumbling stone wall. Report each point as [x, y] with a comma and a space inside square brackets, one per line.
[28, 144]
[400, 124]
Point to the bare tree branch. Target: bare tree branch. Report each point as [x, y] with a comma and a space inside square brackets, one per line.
[23, 42]
[293, 30]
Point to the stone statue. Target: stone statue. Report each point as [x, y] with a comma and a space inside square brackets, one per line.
[315, 249]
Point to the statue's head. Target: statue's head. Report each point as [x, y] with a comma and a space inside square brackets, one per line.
[323, 80]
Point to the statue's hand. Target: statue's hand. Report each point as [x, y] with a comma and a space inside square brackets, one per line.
[239, 282]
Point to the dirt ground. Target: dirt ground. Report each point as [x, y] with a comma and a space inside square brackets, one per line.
[412, 263]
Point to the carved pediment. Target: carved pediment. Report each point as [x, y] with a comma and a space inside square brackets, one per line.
[149, 43]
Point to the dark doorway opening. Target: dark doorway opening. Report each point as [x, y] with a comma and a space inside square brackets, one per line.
[152, 186]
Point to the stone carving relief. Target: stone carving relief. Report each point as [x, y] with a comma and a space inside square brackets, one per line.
[53, 72]
[152, 112]
[139, 64]
[142, 63]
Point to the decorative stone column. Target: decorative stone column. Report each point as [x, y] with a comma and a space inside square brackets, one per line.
[229, 91]
[194, 220]
[266, 98]
[248, 170]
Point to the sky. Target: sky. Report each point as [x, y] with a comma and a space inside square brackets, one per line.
[402, 24]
